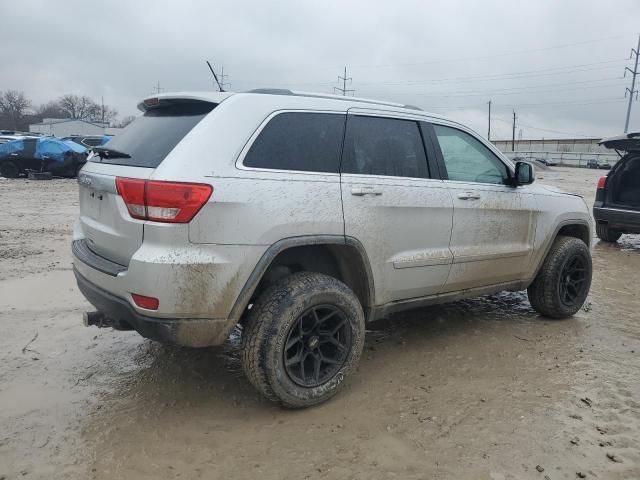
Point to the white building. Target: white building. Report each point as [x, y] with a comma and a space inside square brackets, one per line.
[63, 127]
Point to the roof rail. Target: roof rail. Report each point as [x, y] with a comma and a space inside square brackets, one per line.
[284, 91]
[271, 91]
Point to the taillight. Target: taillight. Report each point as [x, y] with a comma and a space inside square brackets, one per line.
[132, 192]
[602, 182]
[157, 201]
[152, 102]
[143, 301]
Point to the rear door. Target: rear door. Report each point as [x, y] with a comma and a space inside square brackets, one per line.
[105, 222]
[493, 223]
[391, 204]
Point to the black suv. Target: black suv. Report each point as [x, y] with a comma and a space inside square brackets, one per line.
[617, 206]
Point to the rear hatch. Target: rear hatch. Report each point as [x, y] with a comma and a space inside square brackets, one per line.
[623, 182]
[629, 142]
[109, 229]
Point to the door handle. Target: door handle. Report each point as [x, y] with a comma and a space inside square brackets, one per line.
[360, 191]
[469, 196]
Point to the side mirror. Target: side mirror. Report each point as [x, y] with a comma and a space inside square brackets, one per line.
[524, 174]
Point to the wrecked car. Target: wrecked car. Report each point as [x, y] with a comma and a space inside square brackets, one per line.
[45, 154]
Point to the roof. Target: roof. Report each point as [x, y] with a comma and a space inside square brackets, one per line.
[217, 97]
[65, 120]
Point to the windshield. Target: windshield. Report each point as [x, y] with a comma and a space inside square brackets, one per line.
[150, 138]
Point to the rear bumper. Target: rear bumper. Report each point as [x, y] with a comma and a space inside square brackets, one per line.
[196, 332]
[626, 221]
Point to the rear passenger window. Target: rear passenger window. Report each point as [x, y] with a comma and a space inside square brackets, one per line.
[384, 146]
[308, 142]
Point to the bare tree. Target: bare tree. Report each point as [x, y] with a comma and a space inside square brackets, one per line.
[81, 107]
[13, 106]
[50, 110]
[103, 113]
[77, 107]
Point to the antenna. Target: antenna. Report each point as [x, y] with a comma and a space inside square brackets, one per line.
[215, 77]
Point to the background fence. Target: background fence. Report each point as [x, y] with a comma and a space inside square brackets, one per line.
[567, 159]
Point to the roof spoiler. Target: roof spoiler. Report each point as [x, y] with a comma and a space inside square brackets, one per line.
[165, 99]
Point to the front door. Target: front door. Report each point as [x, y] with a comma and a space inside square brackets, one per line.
[401, 215]
[493, 223]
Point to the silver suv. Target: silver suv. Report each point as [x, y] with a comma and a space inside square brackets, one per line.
[302, 217]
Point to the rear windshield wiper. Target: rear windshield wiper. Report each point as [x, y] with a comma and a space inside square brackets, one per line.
[106, 152]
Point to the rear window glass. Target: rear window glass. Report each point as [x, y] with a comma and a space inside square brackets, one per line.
[150, 138]
[384, 146]
[309, 142]
[92, 142]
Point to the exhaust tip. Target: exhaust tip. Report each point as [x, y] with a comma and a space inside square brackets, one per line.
[95, 318]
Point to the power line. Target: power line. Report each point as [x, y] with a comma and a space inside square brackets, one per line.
[530, 105]
[523, 92]
[632, 90]
[562, 70]
[544, 85]
[545, 129]
[344, 79]
[517, 52]
[506, 76]
[464, 59]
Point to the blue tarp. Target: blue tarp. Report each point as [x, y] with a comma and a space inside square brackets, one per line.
[11, 147]
[51, 147]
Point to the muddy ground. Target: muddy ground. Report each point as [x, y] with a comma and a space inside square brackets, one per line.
[480, 389]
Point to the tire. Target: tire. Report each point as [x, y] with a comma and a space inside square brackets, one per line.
[279, 316]
[605, 234]
[555, 292]
[8, 169]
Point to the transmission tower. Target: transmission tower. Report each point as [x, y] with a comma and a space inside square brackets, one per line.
[219, 79]
[157, 89]
[225, 85]
[344, 90]
[632, 90]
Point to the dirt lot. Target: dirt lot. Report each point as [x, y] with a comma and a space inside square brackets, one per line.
[481, 389]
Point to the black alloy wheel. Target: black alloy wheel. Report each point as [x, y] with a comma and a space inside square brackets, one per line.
[573, 281]
[317, 345]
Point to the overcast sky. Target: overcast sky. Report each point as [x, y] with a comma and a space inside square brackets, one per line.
[559, 64]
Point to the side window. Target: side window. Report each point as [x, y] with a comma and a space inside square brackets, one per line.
[467, 159]
[309, 142]
[384, 146]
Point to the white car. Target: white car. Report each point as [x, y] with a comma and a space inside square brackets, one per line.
[304, 216]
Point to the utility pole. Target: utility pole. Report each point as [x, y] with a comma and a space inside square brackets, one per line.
[344, 79]
[631, 91]
[489, 131]
[102, 98]
[513, 133]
